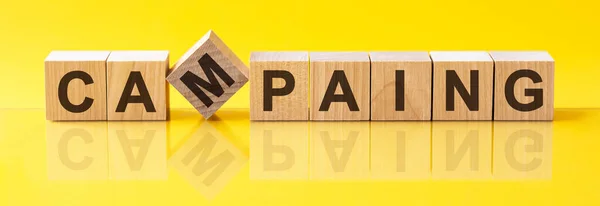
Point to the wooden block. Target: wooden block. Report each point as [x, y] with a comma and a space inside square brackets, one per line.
[137, 89]
[524, 86]
[400, 86]
[76, 85]
[279, 86]
[462, 85]
[208, 74]
[339, 83]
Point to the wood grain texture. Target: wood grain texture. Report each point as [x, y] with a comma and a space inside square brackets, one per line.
[417, 70]
[153, 66]
[57, 65]
[536, 63]
[356, 68]
[210, 44]
[293, 105]
[462, 63]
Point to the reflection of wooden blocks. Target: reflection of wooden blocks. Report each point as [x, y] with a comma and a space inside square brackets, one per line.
[76, 150]
[137, 150]
[279, 86]
[339, 84]
[208, 74]
[461, 150]
[524, 86]
[400, 86]
[279, 150]
[400, 150]
[339, 150]
[522, 150]
[137, 88]
[76, 85]
[462, 85]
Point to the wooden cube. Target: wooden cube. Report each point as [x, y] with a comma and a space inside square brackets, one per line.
[524, 86]
[400, 86]
[339, 83]
[462, 85]
[279, 86]
[137, 88]
[76, 85]
[208, 74]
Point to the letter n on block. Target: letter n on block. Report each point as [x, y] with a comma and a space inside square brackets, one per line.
[462, 85]
[279, 86]
[524, 86]
[208, 74]
[76, 85]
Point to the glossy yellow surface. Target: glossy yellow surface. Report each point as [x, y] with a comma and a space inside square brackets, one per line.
[567, 29]
[229, 160]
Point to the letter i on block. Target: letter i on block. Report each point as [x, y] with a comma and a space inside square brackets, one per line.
[340, 84]
[279, 86]
[400, 86]
[462, 85]
[137, 89]
[208, 74]
[76, 85]
[524, 86]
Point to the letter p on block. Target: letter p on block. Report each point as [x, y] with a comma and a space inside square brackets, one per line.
[208, 74]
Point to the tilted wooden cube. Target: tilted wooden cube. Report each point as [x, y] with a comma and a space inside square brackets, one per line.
[339, 85]
[279, 86]
[400, 86]
[462, 85]
[76, 85]
[524, 86]
[208, 74]
[136, 84]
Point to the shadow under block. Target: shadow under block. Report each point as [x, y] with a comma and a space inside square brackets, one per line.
[339, 86]
[137, 89]
[462, 85]
[279, 86]
[524, 86]
[208, 74]
[400, 86]
[76, 85]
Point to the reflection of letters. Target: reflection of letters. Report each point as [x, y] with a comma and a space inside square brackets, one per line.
[270, 150]
[135, 161]
[202, 150]
[63, 145]
[537, 146]
[401, 151]
[470, 143]
[339, 164]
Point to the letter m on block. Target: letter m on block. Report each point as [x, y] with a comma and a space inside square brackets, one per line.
[210, 68]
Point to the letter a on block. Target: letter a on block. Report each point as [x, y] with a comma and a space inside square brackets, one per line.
[208, 74]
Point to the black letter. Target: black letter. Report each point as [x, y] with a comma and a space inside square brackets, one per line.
[399, 90]
[135, 78]
[471, 100]
[63, 97]
[269, 91]
[209, 66]
[537, 94]
[338, 77]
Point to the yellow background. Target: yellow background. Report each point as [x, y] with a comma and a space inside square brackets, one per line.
[29, 30]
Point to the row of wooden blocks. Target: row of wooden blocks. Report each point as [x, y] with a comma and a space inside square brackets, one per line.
[132, 85]
[462, 85]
